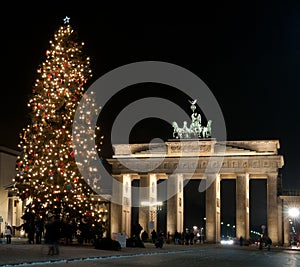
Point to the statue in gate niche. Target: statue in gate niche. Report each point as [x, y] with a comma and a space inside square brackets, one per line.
[195, 129]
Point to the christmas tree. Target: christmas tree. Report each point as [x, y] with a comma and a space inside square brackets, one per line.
[48, 179]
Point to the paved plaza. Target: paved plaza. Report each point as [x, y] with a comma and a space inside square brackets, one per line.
[20, 253]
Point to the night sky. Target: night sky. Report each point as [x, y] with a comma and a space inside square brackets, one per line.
[249, 57]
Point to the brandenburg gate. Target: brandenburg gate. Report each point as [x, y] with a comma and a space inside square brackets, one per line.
[193, 154]
[242, 161]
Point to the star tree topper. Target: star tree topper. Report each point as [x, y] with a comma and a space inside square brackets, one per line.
[66, 20]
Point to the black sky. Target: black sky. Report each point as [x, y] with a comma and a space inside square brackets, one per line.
[247, 54]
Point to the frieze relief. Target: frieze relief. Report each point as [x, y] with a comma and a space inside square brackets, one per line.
[190, 147]
[200, 147]
[199, 165]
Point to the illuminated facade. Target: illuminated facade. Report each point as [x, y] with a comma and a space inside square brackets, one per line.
[175, 161]
[10, 205]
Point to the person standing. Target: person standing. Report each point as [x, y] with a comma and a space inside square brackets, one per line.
[187, 237]
[52, 236]
[7, 234]
[31, 231]
[241, 241]
[38, 232]
[160, 241]
[56, 235]
[176, 237]
[261, 242]
[192, 236]
[145, 236]
[269, 242]
[153, 236]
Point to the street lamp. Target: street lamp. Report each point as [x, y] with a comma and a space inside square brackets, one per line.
[294, 212]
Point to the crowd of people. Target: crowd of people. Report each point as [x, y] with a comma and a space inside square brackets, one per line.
[266, 241]
[189, 237]
[53, 229]
[184, 238]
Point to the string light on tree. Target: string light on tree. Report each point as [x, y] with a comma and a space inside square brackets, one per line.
[47, 177]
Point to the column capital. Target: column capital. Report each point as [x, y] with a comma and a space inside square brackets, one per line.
[143, 175]
[162, 176]
[272, 174]
[129, 175]
[154, 175]
[176, 175]
[117, 176]
[242, 174]
[212, 174]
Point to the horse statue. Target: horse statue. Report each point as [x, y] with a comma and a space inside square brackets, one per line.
[177, 131]
[183, 132]
[206, 131]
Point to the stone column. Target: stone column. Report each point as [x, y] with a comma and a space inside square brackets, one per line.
[272, 210]
[126, 205]
[144, 210]
[116, 206]
[121, 205]
[175, 204]
[213, 204]
[180, 202]
[242, 206]
[280, 221]
[286, 226]
[148, 202]
[10, 211]
[153, 201]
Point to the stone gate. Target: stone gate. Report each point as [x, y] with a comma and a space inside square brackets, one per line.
[206, 158]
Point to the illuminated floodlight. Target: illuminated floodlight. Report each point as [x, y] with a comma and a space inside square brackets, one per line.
[294, 212]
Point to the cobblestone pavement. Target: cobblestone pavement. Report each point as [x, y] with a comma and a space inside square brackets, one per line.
[20, 253]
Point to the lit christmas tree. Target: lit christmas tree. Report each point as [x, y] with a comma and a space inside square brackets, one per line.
[48, 179]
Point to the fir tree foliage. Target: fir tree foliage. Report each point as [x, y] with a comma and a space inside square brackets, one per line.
[48, 179]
